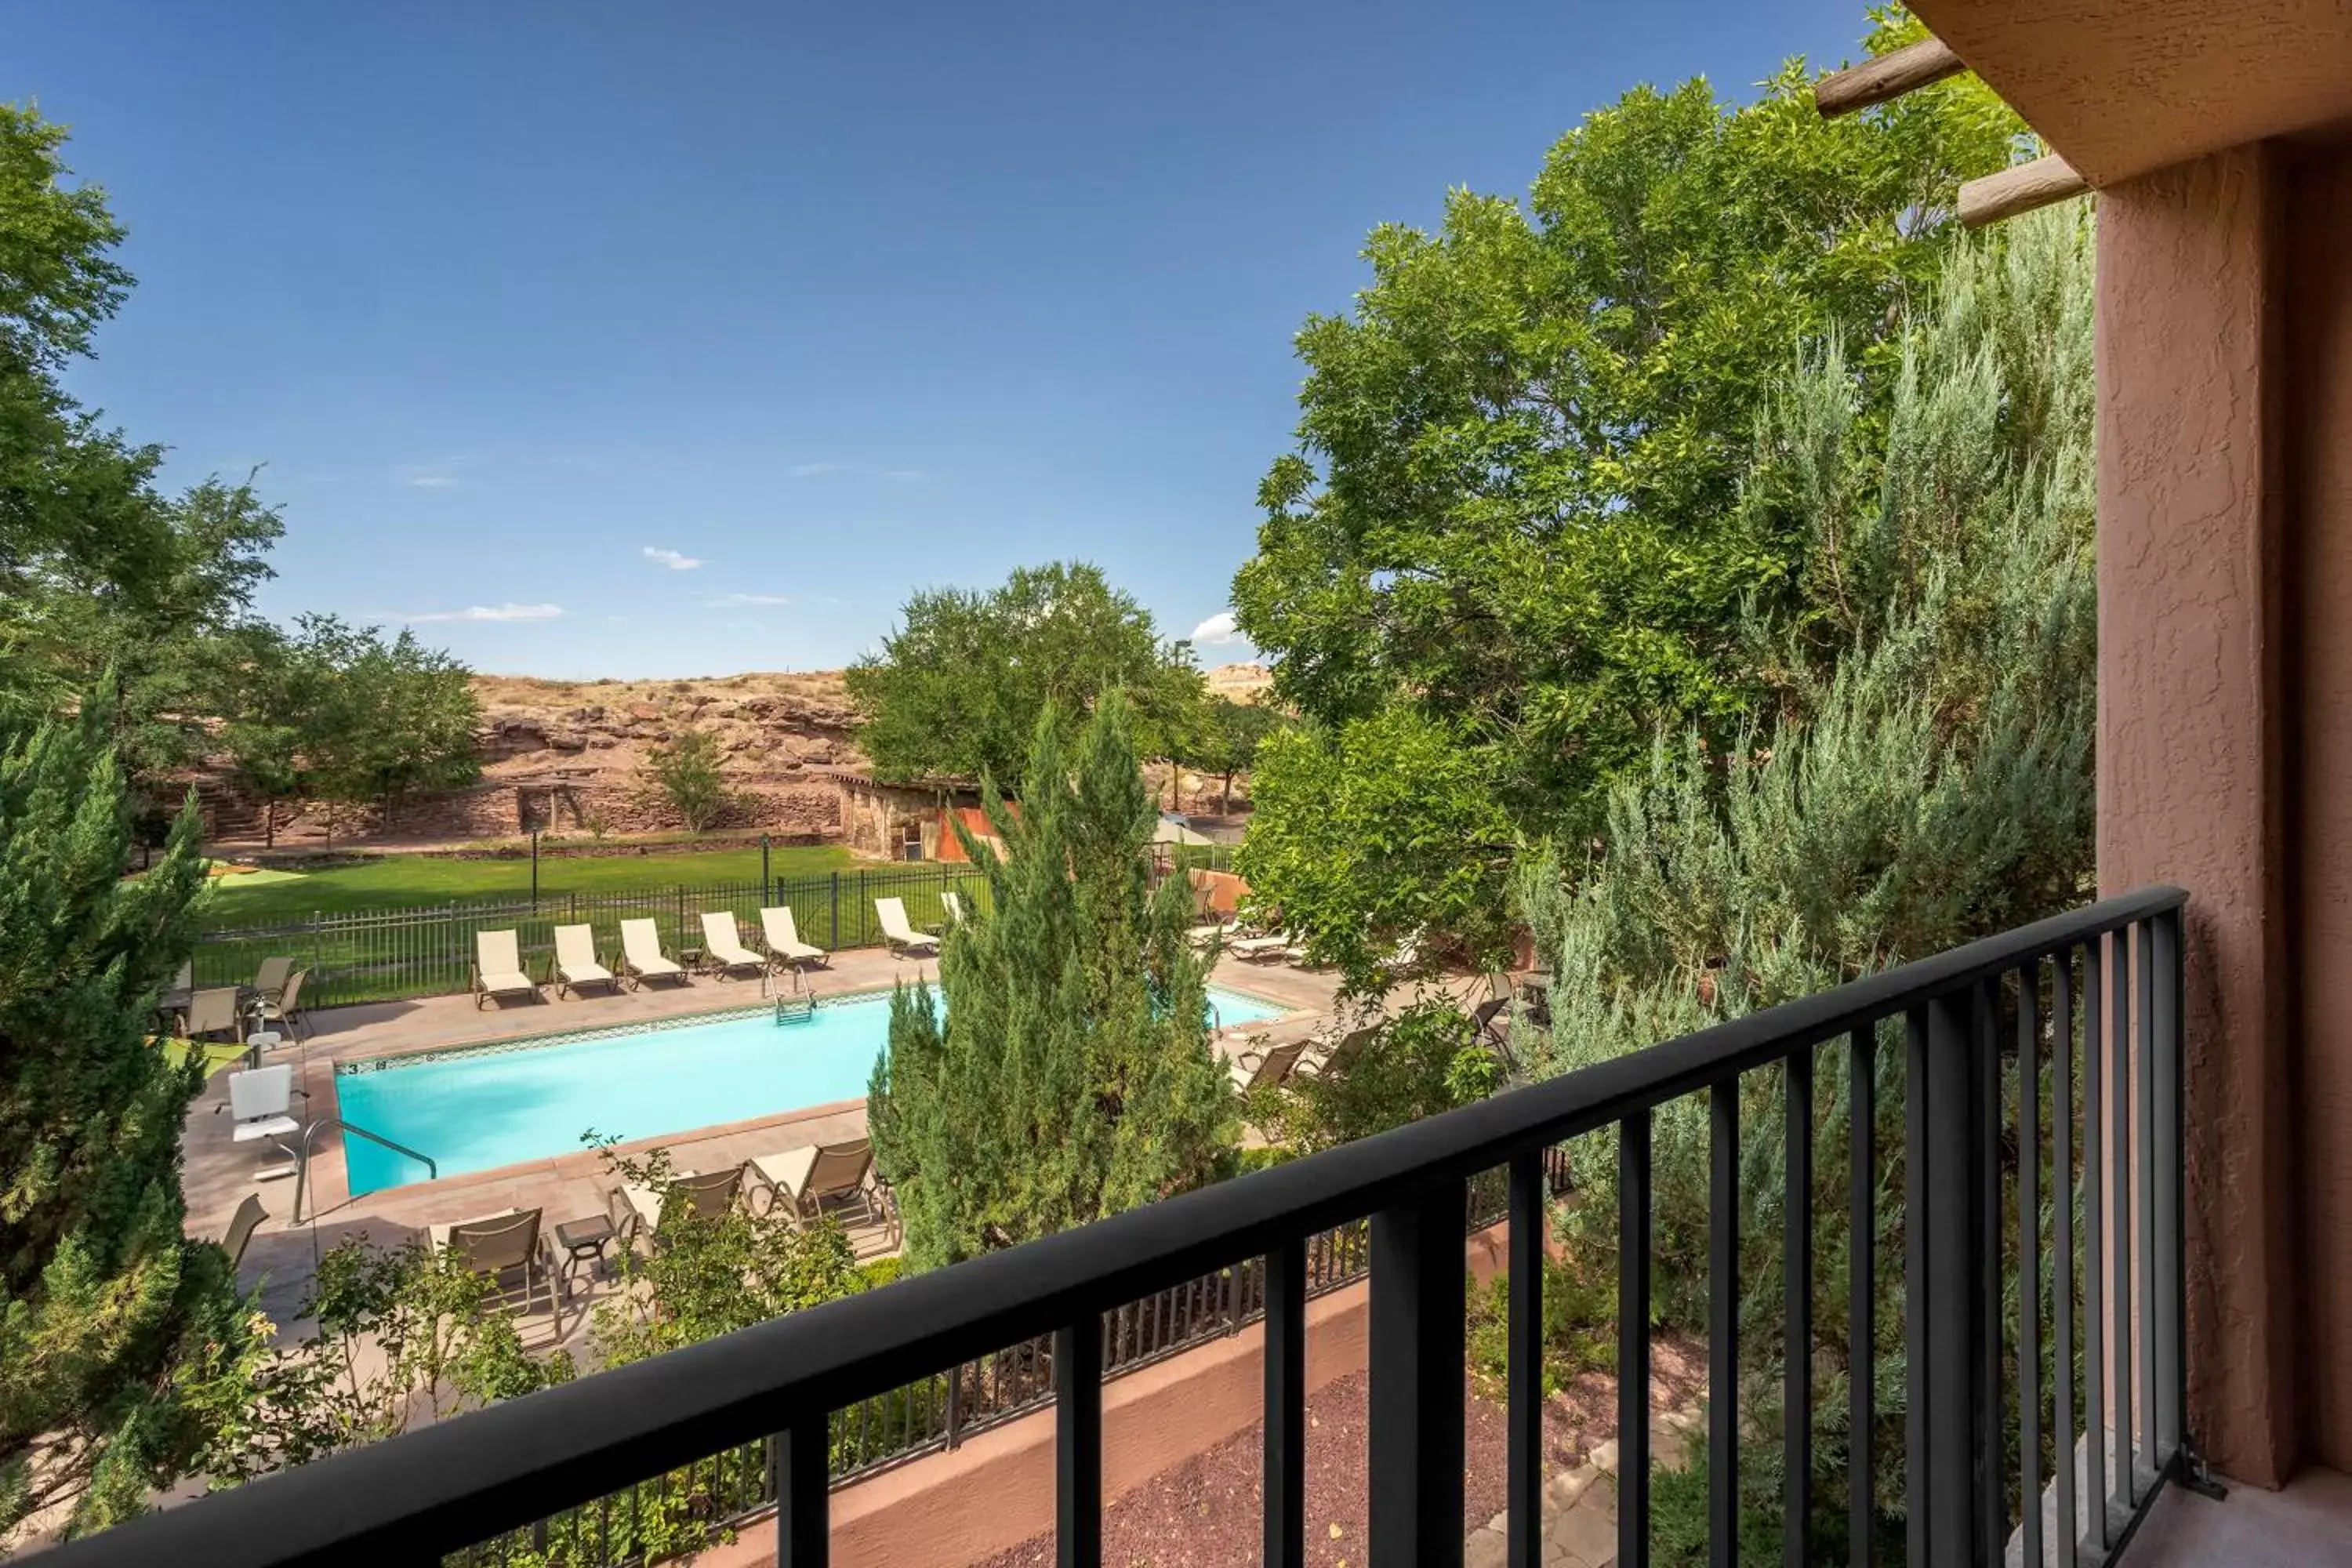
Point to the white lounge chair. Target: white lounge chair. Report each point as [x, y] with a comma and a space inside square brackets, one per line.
[641, 958]
[1257, 948]
[898, 933]
[723, 946]
[259, 1099]
[802, 1178]
[953, 901]
[785, 948]
[575, 961]
[498, 968]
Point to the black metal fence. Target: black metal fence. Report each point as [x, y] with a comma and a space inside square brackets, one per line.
[383, 955]
[2042, 1089]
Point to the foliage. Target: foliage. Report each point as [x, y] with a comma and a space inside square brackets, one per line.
[404, 1334]
[1928, 779]
[1579, 1326]
[1511, 513]
[397, 717]
[684, 771]
[958, 690]
[1424, 1060]
[1071, 1076]
[1369, 834]
[1225, 738]
[119, 1337]
[711, 1275]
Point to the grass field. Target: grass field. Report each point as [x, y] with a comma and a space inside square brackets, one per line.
[399, 881]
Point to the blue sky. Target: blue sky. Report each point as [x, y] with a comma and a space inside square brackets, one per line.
[525, 306]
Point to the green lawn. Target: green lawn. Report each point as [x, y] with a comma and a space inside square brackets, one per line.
[396, 881]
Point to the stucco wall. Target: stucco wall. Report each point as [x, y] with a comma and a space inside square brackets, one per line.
[2191, 769]
[2318, 245]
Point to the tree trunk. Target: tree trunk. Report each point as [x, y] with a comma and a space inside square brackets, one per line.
[1226, 796]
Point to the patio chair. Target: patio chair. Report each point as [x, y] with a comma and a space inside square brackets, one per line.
[1259, 949]
[1326, 1056]
[722, 945]
[214, 1011]
[286, 1010]
[576, 962]
[641, 958]
[241, 1227]
[802, 1178]
[785, 948]
[260, 1098]
[172, 1007]
[498, 968]
[898, 933]
[494, 1245]
[638, 1211]
[1254, 1068]
[271, 977]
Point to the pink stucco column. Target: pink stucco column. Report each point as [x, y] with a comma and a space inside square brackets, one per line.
[2193, 768]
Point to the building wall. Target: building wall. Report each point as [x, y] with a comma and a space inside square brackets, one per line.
[2225, 745]
[2317, 237]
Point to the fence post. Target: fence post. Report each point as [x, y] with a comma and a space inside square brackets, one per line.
[835, 943]
[955, 1405]
[318, 941]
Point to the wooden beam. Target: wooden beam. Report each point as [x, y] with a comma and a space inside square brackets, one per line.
[2020, 188]
[1890, 74]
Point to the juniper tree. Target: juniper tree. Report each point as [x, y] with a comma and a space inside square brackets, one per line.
[120, 1339]
[1928, 779]
[1069, 1075]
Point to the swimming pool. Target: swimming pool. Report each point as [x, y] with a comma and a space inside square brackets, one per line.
[476, 1109]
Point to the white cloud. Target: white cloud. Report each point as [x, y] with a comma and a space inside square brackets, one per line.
[431, 481]
[902, 473]
[672, 559]
[507, 612]
[811, 470]
[752, 601]
[1216, 630]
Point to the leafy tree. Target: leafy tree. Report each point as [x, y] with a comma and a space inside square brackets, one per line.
[120, 1338]
[397, 717]
[1371, 836]
[957, 691]
[1512, 512]
[1226, 739]
[1927, 778]
[685, 771]
[1071, 1076]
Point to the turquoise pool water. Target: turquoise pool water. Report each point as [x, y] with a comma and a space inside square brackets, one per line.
[476, 1110]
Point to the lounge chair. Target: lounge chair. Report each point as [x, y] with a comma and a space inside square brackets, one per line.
[286, 1009]
[498, 968]
[576, 962]
[637, 1210]
[641, 958]
[952, 902]
[271, 979]
[1255, 1068]
[214, 1011]
[1207, 937]
[495, 1244]
[1322, 1058]
[1256, 949]
[1490, 1021]
[241, 1227]
[259, 1099]
[802, 1178]
[785, 948]
[172, 1007]
[723, 948]
[901, 936]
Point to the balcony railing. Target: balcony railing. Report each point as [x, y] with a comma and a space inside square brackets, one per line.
[1979, 1031]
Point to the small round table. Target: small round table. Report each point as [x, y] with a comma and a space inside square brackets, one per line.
[583, 1242]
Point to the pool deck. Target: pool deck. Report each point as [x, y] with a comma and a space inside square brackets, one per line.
[218, 1173]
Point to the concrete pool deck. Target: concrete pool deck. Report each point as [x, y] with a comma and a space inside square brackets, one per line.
[218, 1173]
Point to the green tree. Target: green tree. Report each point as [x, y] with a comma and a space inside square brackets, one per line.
[1512, 508]
[684, 771]
[1927, 779]
[396, 717]
[1226, 741]
[1071, 1076]
[957, 691]
[120, 1338]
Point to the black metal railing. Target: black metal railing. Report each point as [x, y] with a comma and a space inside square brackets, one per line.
[1972, 1030]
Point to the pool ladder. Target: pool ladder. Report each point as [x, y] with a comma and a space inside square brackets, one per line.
[800, 1006]
[303, 1156]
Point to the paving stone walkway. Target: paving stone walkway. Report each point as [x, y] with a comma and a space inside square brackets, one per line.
[1580, 1505]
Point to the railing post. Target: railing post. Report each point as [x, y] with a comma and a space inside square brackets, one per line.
[1077, 1443]
[1417, 1345]
[1285, 1406]
[1957, 1420]
[804, 1530]
[955, 1406]
[2171, 1190]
